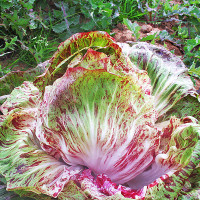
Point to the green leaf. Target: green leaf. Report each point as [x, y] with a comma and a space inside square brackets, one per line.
[6, 4]
[107, 12]
[88, 26]
[9, 44]
[22, 22]
[192, 48]
[194, 71]
[192, 43]
[58, 14]
[60, 27]
[134, 27]
[74, 20]
[164, 35]
[149, 37]
[28, 6]
[71, 11]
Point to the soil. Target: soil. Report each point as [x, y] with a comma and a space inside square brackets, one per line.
[123, 34]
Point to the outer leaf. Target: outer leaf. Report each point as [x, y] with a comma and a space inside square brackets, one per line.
[168, 74]
[77, 45]
[5, 195]
[180, 147]
[23, 97]
[72, 191]
[16, 78]
[191, 188]
[28, 167]
[171, 187]
[187, 106]
[32, 169]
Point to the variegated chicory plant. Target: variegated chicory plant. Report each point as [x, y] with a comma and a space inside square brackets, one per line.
[104, 120]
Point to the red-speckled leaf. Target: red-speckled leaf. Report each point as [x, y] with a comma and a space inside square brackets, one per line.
[23, 163]
[176, 162]
[26, 96]
[77, 45]
[99, 120]
[16, 78]
[187, 106]
[169, 76]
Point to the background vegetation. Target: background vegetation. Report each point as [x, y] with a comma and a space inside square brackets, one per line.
[31, 30]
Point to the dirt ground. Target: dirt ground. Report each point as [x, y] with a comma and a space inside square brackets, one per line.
[123, 34]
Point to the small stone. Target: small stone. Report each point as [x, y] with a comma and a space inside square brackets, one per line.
[154, 30]
[146, 28]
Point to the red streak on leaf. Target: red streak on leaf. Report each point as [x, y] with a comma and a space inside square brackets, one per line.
[92, 55]
[35, 164]
[162, 178]
[25, 155]
[148, 92]
[56, 194]
[24, 146]
[86, 174]
[11, 108]
[42, 179]
[31, 100]
[109, 188]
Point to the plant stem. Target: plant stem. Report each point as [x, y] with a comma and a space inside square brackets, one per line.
[189, 30]
[65, 17]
